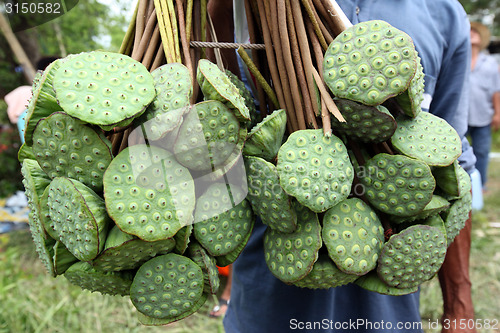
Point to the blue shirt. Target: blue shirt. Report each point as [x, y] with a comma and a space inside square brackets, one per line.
[260, 303]
[484, 82]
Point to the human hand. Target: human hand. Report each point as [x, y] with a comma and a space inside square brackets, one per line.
[495, 123]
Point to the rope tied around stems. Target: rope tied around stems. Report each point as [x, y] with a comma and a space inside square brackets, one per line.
[226, 45]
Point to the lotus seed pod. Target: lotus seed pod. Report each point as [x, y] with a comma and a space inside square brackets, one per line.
[79, 217]
[228, 259]
[173, 91]
[207, 136]
[291, 256]
[44, 215]
[315, 169]
[35, 181]
[149, 194]
[233, 164]
[182, 239]
[247, 97]
[456, 216]
[325, 275]
[372, 282]
[410, 101]
[126, 252]
[167, 286]
[160, 131]
[223, 218]
[208, 266]
[370, 62]
[434, 207]
[427, 138]
[412, 256]
[104, 88]
[215, 85]
[43, 102]
[150, 321]
[63, 259]
[437, 222]
[353, 235]
[107, 283]
[447, 178]
[66, 147]
[266, 196]
[364, 123]
[397, 185]
[265, 138]
[25, 152]
[464, 184]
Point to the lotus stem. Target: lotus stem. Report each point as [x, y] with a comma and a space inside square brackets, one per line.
[258, 76]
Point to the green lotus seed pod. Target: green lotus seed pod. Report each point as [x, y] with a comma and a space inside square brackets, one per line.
[456, 216]
[264, 140]
[353, 235]
[315, 169]
[107, 283]
[25, 152]
[167, 286]
[208, 266]
[370, 62]
[43, 102]
[182, 239]
[123, 251]
[148, 193]
[325, 275]
[364, 123]
[411, 100]
[434, 207]
[247, 97]
[269, 201]
[222, 219]
[35, 182]
[207, 136]
[372, 282]
[412, 256]
[66, 147]
[427, 138]
[78, 217]
[291, 256]
[173, 92]
[215, 85]
[63, 259]
[397, 185]
[104, 88]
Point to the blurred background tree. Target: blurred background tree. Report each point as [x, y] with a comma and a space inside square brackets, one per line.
[89, 25]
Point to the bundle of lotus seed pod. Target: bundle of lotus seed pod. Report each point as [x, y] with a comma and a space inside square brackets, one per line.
[377, 202]
[153, 221]
[146, 172]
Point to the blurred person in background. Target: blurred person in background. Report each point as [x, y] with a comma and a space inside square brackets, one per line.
[484, 107]
[17, 100]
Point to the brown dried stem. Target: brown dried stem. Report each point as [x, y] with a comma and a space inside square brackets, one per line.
[139, 51]
[292, 74]
[271, 61]
[308, 89]
[184, 39]
[317, 29]
[251, 22]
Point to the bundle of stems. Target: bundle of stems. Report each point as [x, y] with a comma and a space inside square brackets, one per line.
[288, 71]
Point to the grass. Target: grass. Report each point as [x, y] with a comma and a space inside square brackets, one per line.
[31, 301]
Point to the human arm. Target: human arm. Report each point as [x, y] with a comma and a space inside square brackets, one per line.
[495, 122]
